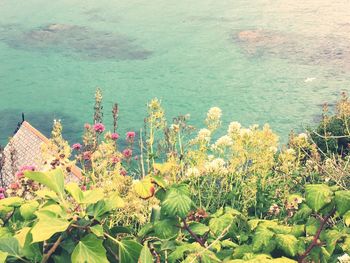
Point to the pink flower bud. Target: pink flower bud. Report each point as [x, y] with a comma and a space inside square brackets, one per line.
[99, 127]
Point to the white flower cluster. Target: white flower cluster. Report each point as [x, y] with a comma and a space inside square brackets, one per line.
[216, 165]
[344, 258]
[204, 135]
[192, 172]
[234, 127]
[222, 142]
[214, 113]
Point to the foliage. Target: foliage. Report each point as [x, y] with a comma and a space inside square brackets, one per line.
[183, 195]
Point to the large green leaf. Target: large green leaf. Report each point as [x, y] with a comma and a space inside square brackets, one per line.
[145, 255]
[11, 247]
[11, 201]
[331, 237]
[144, 188]
[89, 250]
[54, 179]
[166, 229]
[177, 201]
[287, 243]
[262, 239]
[318, 196]
[48, 224]
[218, 224]
[198, 228]
[342, 201]
[129, 251]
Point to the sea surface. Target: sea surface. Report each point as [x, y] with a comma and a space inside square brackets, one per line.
[261, 61]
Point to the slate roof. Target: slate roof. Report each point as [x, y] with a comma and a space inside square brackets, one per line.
[25, 149]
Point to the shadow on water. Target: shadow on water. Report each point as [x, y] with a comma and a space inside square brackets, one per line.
[74, 40]
[42, 121]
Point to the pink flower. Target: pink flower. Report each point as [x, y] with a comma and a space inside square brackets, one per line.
[114, 136]
[2, 196]
[123, 172]
[130, 136]
[14, 186]
[83, 187]
[136, 157]
[87, 155]
[19, 175]
[99, 127]
[27, 168]
[115, 159]
[87, 126]
[76, 146]
[127, 153]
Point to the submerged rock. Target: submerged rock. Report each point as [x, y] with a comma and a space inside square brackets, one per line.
[84, 41]
[310, 50]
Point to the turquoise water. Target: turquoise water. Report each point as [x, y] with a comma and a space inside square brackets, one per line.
[260, 61]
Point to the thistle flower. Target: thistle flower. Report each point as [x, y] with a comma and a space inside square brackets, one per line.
[76, 146]
[87, 155]
[127, 153]
[130, 136]
[99, 127]
[114, 136]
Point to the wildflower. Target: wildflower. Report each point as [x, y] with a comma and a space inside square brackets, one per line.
[76, 146]
[2, 196]
[99, 127]
[115, 159]
[204, 135]
[244, 132]
[217, 165]
[175, 127]
[24, 168]
[192, 172]
[127, 153]
[83, 187]
[344, 258]
[136, 158]
[123, 172]
[130, 136]
[274, 210]
[14, 186]
[214, 113]
[87, 155]
[114, 136]
[222, 142]
[234, 127]
[87, 126]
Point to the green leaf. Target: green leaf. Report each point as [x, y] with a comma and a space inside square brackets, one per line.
[287, 243]
[177, 201]
[89, 250]
[22, 235]
[97, 230]
[198, 228]
[342, 201]
[3, 256]
[47, 194]
[311, 226]
[11, 201]
[166, 229]
[144, 188]
[48, 224]
[318, 196]
[346, 218]
[331, 237]
[180, 251]
[302, 214]
[129, 251]
[218, 224]
[11, 247]
[75, 192]
[27, 210]
[145, 255]
[54, 179]
[92, 196]
[262, 239]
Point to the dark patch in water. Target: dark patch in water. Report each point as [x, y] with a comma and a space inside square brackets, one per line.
[42, 121]
[326, 50]
[83, 41]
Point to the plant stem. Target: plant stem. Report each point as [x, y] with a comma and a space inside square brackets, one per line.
[316, 237]
[52, 250]
[187, 228]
